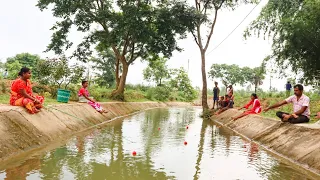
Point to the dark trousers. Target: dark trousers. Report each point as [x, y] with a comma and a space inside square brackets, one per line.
[299, 119]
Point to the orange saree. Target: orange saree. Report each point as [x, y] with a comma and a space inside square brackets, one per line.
[17, 99]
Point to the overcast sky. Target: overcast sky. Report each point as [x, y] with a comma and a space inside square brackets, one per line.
[24, 28]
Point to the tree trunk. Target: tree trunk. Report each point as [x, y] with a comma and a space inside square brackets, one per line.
[255, 88]
[119, 92]
[117, 73]
[204, 81]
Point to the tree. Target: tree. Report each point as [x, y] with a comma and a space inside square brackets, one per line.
[229, 74]
[25, 59]
[105, 64]
[14, 64]
[58, 72]
[157, 70]
[294, 26]
[181, 82]
[255, 76]
[133, 29]
[205, 8]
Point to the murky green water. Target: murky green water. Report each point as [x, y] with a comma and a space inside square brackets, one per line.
[158, 136]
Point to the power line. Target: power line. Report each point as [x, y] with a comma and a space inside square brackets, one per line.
[234, 28]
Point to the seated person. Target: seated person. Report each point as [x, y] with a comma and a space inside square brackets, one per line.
[256, 107]
[226, 104]
[22, 95]
[301, 109]
[220, 102]
[84, 96]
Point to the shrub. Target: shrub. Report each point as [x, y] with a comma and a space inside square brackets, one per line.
[160, 93]
[133, 95]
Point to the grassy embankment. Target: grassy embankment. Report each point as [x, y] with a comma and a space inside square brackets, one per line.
[267, 99]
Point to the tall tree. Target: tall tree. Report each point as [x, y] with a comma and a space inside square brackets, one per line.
[294, 27]
[133, 29]
[229, 74]
[207, 9]
[157, 70]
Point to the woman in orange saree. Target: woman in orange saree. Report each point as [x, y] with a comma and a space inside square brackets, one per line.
[22, 95]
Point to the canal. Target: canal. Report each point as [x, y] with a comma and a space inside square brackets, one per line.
[166, 143]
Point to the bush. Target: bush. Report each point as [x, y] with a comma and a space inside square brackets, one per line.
[160, 93]
[4, 88]
[138, 87]
[99, 93]
[134, 95]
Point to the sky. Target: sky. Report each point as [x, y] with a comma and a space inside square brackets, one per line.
[24, 28]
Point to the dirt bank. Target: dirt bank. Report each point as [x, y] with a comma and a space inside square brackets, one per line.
[21, 132]
[298, 143]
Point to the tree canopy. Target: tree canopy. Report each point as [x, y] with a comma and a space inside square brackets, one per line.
[133, 29]
[229, 74]
[294, 27]
[14, 64]
[157, 70]
[233, 74]
[58, 72]
[105, 65]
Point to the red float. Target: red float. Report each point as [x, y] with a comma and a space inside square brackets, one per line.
[185, 143]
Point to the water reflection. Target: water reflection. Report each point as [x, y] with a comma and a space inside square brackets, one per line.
[213, 152]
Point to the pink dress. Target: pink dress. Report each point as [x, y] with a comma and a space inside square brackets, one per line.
[85, 92]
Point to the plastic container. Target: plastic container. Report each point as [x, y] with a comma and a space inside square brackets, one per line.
[63, 95]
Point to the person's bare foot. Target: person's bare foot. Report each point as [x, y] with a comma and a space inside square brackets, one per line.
[103, 111]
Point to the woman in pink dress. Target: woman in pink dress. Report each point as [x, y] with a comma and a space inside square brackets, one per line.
[84, 96]
[256, 107]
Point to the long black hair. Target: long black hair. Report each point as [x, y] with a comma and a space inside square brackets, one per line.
[254, 95]
[23, 71]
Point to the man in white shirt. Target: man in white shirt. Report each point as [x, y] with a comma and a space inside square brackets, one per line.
[301, 109]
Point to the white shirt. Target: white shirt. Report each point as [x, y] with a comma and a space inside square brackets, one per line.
[297, 105]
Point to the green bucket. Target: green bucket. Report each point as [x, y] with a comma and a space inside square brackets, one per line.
[63, 95]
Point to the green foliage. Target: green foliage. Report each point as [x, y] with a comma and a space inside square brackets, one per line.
[233, 74]
[58, 72]
[137, 87]
[157, 70]
[4, 88]
[294, 26]
[159, 93]
[13, 69]
[254, 76]
[229, 74]
[181, 82]
[105, 64]
[14, 64]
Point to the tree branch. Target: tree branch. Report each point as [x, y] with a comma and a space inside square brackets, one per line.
[132, 53]
[195, 38]
[211, 31]
[125, 46]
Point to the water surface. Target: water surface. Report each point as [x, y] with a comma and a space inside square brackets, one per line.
[157, 136]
